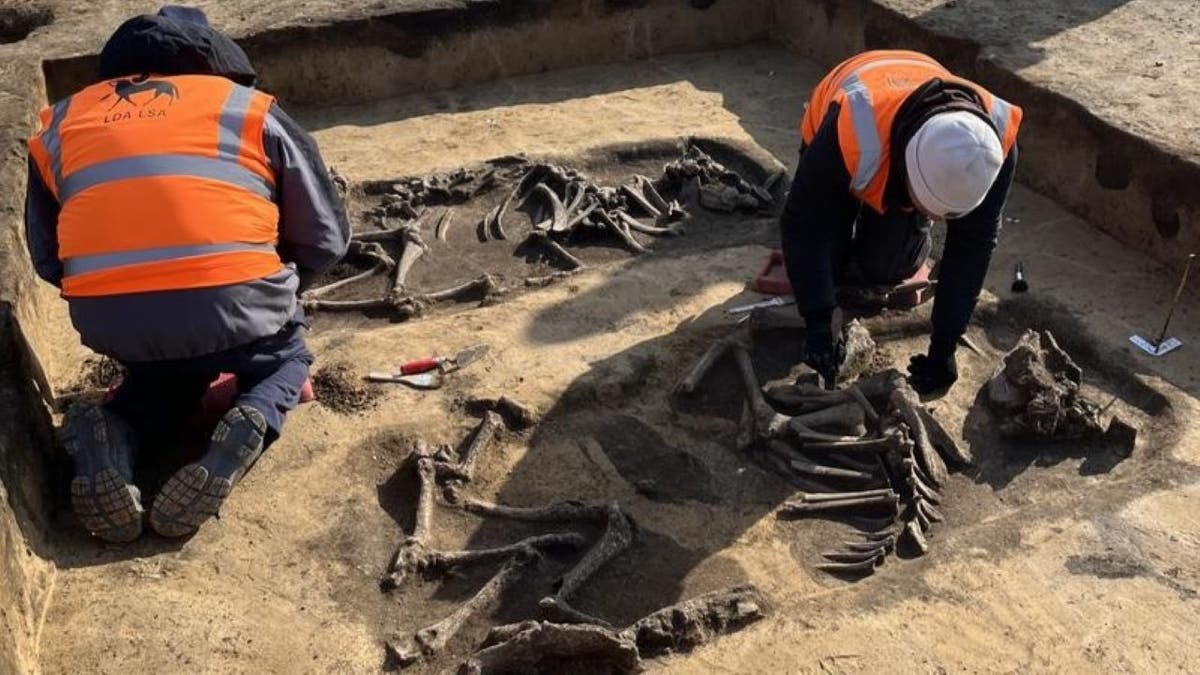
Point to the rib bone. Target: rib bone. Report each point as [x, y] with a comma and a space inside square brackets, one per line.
[906, 403]
[545, 239]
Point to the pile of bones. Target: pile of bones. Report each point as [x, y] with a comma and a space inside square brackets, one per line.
[871, 446]
[564, 635]
[563, 205]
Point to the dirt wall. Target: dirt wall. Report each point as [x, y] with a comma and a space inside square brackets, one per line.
[32, 322]
[36, 304]
[372, 57]
[26, 577]
[1128, 186]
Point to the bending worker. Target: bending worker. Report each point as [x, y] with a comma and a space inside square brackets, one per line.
[180, 211]
[892, 141]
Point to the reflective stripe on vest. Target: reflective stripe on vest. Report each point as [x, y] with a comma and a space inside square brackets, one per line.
[1001, 113]
[149, 166]
[233, 120]
[106, 261]
[862, 113]
[52, 141]
[869, 144]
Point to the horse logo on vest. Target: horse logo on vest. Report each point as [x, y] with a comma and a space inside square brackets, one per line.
[124, 89]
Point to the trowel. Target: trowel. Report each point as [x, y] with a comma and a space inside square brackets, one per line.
[429, 373]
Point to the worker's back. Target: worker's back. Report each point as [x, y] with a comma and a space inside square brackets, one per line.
[163, 184]
[156, 198]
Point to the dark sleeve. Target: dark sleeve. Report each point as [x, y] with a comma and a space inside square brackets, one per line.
[314, 230]
[41, 228]
[970, 241]
[818, 207]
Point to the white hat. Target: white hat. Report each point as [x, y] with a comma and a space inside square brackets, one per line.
[953, 159]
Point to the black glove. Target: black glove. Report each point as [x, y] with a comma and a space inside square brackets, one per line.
[824, 353]
[931, 373]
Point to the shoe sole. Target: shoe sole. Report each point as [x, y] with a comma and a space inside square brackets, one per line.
[188, 498]
[196, 492]
[105, 504]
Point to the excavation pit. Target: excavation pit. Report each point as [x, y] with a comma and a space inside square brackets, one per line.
[288, 578]
[486, 227]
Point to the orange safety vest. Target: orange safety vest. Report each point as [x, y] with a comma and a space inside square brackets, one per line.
[870, 88]
[163, 183]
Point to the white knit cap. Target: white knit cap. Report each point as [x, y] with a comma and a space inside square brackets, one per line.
[953, 159]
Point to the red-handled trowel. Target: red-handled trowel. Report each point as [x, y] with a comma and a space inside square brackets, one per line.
[427, 373]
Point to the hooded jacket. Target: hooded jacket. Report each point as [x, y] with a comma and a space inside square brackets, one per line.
[314, 231]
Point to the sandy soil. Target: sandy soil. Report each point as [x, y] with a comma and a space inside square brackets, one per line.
[1051, 560]
[1127, 61]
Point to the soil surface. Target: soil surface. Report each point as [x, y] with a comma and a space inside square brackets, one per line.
[1127, 61]
[1053, 557]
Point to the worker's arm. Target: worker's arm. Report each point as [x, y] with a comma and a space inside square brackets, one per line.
[41, 227]
[818, 207]
[970, 241]
[314, 231]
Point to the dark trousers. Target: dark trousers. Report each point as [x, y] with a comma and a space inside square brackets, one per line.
[157, 398]
[881, 250]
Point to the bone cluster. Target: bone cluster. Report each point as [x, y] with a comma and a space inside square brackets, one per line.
[563, 631]
[559, 205]
[869, 448]
[1035, 392]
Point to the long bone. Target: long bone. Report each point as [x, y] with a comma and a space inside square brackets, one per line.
[381, 265]
[799, 462]
[617, 537]
[855, 556]
[414, 248]
[794, 508]
[813, 497]
[651, 194]
[432, 640]
[703, 365]
[844, 416]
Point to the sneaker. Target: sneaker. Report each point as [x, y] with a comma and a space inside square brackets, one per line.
[195, 493]
[103, 495]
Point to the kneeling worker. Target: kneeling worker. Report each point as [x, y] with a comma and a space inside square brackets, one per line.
[891, 141]
[180, 211]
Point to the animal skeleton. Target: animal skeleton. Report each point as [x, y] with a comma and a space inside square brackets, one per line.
[575, 634]
[871, 445]
[562, 203]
